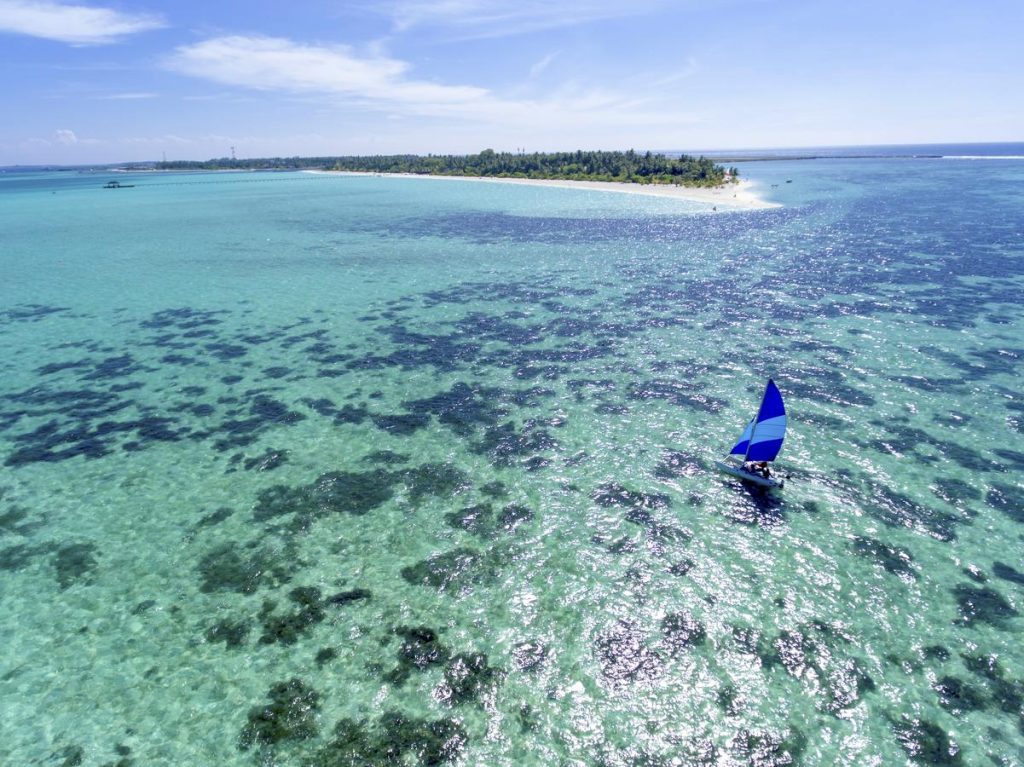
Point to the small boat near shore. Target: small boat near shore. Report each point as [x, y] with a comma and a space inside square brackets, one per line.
[761, 442]
[117, 185]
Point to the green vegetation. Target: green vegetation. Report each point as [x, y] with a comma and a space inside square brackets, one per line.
[646, 168]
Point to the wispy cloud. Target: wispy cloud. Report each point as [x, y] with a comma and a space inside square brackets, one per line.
[65, 136]
[74, 24]
[689, 69]
[540, 66]
[128, 96]
[270, 63]
[338, 77]
[502, 18]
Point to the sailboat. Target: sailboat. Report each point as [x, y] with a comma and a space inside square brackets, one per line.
[760, 442]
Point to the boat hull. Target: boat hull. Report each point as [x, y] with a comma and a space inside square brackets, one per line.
[746, 476]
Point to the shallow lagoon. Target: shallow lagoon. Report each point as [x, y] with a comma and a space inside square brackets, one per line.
[305, 471]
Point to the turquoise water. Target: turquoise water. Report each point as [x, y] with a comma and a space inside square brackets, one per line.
[305, 470]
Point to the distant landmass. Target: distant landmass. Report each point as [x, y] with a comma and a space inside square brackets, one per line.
[629, 167]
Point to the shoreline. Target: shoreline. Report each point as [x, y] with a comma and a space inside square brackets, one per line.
[738, 196]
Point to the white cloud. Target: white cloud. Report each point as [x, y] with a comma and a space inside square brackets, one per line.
[501, 18]
[270, 63]
[75, 24]
[65, 137]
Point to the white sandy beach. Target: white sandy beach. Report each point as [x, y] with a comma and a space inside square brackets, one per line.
[738, 196]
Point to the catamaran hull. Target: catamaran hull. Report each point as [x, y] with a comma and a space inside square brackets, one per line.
[746, 476]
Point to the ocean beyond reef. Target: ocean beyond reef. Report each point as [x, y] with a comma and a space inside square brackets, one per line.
[314, 470]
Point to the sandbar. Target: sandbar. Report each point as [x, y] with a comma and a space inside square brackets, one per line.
[740, 195]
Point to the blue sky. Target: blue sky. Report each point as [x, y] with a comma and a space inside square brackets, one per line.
[135, 79]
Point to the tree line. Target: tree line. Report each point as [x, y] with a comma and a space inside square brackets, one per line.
[630, 166]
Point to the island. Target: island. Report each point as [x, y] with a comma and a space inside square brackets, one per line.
[622, 167]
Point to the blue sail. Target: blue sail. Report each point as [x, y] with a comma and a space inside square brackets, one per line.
[762, 439]
[741, 446]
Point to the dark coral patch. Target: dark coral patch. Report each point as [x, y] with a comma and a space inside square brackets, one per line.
[681, 632]
[402, 424]
[231, 633]
[268, 461]
[1007, 500]
[982, 605]
[325, 655]
[228, 568]
[476, 519]
[529, 656]
[681, 568]
[1007, 573]
[395, 740]
[265, 413]
[351, 414]
[31, 313]
[214, 518]
[113, 367]
[184, 318]
[536, 463]
[322, 406]
[462, 409]
[50, 442]
[13, 522]
[1015, 458]
[894, 559]
[638, 504]
[926, 743]
[287, 627]
[955, 491]
[452, 572]
[624, 655]
[505, 445]
[57, 367]
[72, 756]
[20, 555]
[815, 653]
[343, 598]
[898, 510]
[676, 463]
[514, 515]
[277, 372]
[1007, 694]
[958, 696]
[419, 649]
[467, 678]
[386, 457]
[290, 715]
[481, 520]
[226, 352]
[768, 749]
[75, 562]
[335, 492]
[442, 480]
[494, 489]
[684, 395]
